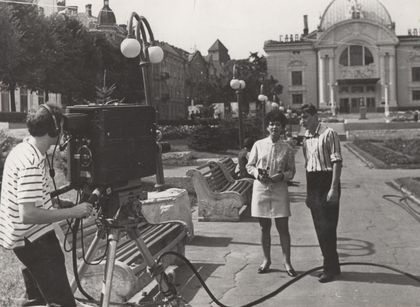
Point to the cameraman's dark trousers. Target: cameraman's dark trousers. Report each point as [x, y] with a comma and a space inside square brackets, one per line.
[325, 217]
[45, 274]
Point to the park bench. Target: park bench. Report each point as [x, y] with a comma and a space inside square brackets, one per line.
[130, 274]
[230, 166]
[219, 196]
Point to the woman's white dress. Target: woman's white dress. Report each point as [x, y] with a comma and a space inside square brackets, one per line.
[271, 200]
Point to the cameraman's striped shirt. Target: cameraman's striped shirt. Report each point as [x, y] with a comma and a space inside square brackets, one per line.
[24, 181]
[321, 149]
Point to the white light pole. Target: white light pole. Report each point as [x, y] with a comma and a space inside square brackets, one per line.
[332, 100]
[238, 85]
[386, 108]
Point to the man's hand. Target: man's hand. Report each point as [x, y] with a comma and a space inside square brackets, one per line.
[332, 196]
[82, 210]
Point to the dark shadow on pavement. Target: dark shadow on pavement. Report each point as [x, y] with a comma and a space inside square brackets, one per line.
[382, 278]
[187, 283]
[210, 241]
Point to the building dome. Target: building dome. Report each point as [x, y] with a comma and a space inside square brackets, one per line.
[340, 10]
[106, 15]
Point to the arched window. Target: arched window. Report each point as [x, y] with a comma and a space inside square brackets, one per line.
[356, 56]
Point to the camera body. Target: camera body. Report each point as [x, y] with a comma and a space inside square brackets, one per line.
[110, 144]
[263, 172]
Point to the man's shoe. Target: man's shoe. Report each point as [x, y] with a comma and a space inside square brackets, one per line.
[326, 278]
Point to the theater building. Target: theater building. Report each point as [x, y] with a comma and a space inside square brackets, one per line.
[354, 58]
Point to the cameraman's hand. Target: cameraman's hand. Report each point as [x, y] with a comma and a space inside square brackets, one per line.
[82, 210]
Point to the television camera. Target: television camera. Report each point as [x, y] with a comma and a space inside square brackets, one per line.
[109, 148]
[109, 145]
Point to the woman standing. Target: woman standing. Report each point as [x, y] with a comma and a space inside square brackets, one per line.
[272, 163]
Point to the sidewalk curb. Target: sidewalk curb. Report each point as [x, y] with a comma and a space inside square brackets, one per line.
[404, 191]
[350, 147]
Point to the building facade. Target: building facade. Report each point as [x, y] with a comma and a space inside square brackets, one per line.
[354, 58]
[168, 83]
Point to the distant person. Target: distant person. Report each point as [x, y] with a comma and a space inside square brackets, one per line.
[323, 162]
[243, 156]
[272, 163]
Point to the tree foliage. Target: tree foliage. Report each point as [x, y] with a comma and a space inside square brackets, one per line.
[69, 60]
[58, 54]
[20, 46]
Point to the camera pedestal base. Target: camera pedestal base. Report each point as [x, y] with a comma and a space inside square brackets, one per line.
[114, 231]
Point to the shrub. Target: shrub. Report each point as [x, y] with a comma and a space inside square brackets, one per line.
[206, 138]
[176, 132]
[225, 135]
[6, 144]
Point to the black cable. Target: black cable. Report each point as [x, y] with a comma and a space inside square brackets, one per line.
[282, 287]
[74, 256]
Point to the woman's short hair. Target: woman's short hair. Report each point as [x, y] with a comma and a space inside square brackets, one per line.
[45, 120]
[276, 116]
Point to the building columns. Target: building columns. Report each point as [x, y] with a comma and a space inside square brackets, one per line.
[382, 76]
[331, 79]
[392, 81]
[321, 80]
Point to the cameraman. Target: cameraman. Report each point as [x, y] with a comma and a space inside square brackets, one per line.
[27, 212]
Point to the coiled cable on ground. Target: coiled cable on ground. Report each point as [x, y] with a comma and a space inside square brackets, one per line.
[282, 287]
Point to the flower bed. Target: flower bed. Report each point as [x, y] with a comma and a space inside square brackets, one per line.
[394, 152]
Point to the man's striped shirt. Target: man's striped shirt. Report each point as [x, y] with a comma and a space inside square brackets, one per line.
[24, 181]
[321, 149]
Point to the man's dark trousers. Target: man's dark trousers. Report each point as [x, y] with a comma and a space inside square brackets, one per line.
[45, 274]
[325, 218]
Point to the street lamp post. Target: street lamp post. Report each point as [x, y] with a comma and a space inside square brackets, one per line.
[141, 43]
[263, 99]
[386, 108]
[332, 100]
[238, 85]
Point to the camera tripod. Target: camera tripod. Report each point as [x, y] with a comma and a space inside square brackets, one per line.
[126, 220]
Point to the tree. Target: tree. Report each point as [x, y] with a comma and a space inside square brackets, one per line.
[20, 27]
[70, 61]
[253, 71]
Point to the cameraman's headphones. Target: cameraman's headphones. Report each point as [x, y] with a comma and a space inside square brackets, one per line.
[57, 127]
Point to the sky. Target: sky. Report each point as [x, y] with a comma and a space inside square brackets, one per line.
[241, 25]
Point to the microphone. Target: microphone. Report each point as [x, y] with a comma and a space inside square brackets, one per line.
[63, 146]
[94, 196]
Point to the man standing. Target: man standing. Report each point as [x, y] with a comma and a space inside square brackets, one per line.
[27, 214]
[323, 162]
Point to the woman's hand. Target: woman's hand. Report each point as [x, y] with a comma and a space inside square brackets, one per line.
[264, 179]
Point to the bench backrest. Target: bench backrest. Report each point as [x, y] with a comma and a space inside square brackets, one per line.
[229, 165]
[214, 176]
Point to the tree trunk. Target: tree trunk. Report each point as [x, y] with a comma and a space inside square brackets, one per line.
[12, 98]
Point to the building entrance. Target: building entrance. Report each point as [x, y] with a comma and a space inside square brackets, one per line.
[351, 96]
